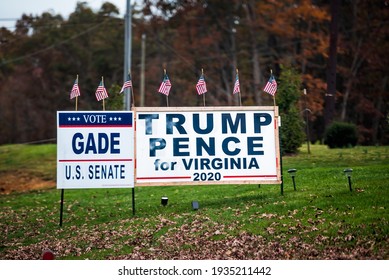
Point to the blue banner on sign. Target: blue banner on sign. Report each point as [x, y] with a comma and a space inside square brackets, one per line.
[93, 119]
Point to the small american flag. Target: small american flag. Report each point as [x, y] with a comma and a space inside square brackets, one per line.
[127, 84]
[201, 86]
[101, 92]
[237, 85]
[75, 90]
[165, 86]
[271, 86]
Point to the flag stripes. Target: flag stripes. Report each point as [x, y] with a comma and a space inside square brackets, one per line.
[101, 92]
[75, 90]
[201, 86]
[165, 86]
[271, 86]
[127, 84]
[236, 85]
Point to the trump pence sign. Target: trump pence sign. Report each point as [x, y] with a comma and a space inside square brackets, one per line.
[95, 149]
[210, 145]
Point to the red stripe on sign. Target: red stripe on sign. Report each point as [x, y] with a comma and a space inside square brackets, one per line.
[89, 126]
[251, 176]
[158, 178]
[92, 160]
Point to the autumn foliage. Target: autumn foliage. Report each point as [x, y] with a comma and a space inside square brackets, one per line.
[41, 56]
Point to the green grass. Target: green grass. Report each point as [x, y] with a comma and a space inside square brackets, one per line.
[40, 159]
[321, 219]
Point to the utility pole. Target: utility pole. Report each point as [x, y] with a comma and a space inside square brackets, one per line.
[127, 54]
[142, 71]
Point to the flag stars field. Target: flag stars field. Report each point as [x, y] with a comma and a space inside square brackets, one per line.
[74, 119]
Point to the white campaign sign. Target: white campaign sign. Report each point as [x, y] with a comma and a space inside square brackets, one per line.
[211, 145]
[95, 150]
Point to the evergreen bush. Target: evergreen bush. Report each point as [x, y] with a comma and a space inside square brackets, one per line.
[341, 135]
[287, 97]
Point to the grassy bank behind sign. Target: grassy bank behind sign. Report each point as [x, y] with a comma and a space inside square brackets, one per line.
[322, 219]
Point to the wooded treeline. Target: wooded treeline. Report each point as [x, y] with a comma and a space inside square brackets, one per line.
[40, 58]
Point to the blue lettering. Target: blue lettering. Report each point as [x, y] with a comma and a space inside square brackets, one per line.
[103, 139]
[98, 171]
[90, 144]
[177, 124]
[225, 146]
[104, 143]
[149, 119]
[196, 124]
[177, 145]
[201, 145]
[114, 142]
[78, 146]
[252, 143]
[187, 164]
[240, 120]
[261, 119]
[156, 144]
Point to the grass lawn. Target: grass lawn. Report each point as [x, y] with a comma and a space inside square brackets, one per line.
[322, 219]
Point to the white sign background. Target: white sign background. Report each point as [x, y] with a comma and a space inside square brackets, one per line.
[95, 149]
[211, 145]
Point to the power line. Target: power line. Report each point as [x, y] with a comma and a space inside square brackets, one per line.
[53, 45]
[9, 19]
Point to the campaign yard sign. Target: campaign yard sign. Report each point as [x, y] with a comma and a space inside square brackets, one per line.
[95, 149]
[210, 145]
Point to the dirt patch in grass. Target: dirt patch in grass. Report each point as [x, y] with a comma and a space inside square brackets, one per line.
[20, 181]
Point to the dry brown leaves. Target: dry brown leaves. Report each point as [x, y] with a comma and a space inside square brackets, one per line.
[197, 239]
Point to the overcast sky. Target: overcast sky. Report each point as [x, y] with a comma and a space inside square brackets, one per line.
[11, 10]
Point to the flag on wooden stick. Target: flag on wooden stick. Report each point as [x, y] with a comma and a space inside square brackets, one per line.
[165, 86]
[127, 83]
[75, 89]
[101, 92]
[236, 85]
[201, 86]
[271, 86]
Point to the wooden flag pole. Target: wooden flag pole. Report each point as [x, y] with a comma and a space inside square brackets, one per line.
[167, 96]
[132, 92]
[202, 74]
[240, 97]
[102, 82]
[274, 95]
[277, 117]
[77, 95]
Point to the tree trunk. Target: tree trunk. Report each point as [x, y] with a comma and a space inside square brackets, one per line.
[377, 116]
[257, 75]
[331, 67]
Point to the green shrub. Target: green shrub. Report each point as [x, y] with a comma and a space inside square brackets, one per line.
[287, 97]
[340, 135]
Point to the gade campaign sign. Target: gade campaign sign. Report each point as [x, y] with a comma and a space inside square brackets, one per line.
[95, 150]
[210, 145]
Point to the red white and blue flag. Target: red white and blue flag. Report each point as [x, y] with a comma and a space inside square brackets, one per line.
[101, 92]
[75, 89]
[271, 86]
[201, 86]
[127, 84]
[236, 85]
[165, 86]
